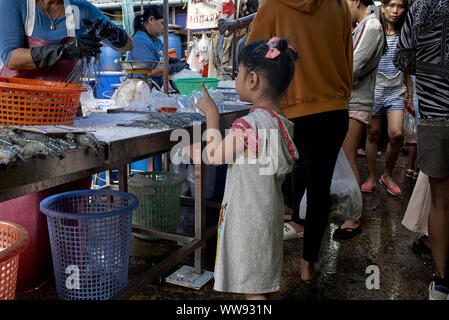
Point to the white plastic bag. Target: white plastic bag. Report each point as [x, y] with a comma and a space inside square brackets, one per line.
[185, 73]
[346, 198]
[192, 59]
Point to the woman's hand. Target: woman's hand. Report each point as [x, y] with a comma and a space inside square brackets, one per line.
[206, 104]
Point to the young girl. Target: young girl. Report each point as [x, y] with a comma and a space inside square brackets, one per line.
[394, 91]
[260, 152]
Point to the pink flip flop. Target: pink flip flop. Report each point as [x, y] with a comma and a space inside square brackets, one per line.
[393, 191]
[366, 189]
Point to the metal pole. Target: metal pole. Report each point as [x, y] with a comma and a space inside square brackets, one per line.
[234, 46]
[166, 9]
[141, 6]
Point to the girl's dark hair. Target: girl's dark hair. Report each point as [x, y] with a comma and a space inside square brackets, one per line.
[278, 72]
[400, 22]
[151, 11]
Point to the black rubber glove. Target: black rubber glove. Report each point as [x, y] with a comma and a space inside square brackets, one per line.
[80, 47]
[106, 30]
[176, 67]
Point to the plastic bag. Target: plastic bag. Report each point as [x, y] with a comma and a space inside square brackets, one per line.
[185, 73]
[181, 169]
[210, 179]
[216, 95]
[409, 129]
[88, 102]
[346, 197]
[132, 90]
[192, 59]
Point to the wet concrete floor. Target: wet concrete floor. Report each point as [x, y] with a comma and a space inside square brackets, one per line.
[384, 243]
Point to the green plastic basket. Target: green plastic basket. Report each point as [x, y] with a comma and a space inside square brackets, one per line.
[186, 86]
[159, 201]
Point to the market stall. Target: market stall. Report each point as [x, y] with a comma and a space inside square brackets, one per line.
[106, 143]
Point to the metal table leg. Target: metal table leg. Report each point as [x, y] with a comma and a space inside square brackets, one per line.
[200, 213]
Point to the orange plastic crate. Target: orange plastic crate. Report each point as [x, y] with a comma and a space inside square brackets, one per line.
[38, 102]
[13, 240]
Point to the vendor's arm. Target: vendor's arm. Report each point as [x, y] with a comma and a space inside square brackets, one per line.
[12, 37]
[229, 27]
[115, 36]
[158, 72]
[219, 151]
[21, 59]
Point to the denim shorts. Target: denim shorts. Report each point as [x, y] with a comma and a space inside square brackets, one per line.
[388, 99]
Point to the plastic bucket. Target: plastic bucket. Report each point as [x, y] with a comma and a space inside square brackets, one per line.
[107, 80]
[187, 85]
[13, 240]
[90, 237]
[159, 198]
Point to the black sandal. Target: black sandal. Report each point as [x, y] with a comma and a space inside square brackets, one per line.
[421, 249]
[346, 233]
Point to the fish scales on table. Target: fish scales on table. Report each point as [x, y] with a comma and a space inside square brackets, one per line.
[17, 145]
[165, 121]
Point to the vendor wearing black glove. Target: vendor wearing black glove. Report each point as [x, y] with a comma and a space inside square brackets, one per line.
[176, 65]
[105, 30]
[49, 47]
[78, 48]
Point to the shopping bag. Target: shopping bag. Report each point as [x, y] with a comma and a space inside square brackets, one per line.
[417, 213]
[409, 130]
[345, 196]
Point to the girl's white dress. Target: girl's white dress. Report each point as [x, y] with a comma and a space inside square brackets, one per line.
[250, 230]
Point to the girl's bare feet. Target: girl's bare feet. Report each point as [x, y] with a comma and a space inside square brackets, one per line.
[309, 271]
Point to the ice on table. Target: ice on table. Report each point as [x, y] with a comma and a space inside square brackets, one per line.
[106, 129]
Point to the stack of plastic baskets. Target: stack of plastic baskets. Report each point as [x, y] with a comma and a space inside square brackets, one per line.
[159, 197]
[13, 240]
[90, 238]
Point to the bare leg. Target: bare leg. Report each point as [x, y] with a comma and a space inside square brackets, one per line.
[439, 224]
[395, 120]
[264, 296]
[412, 150]
[372, 144]
[309, 271]
[350, 145]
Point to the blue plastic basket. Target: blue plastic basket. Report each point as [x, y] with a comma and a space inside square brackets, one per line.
[90, 238]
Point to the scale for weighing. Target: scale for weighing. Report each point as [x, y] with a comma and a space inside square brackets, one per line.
[134, 66]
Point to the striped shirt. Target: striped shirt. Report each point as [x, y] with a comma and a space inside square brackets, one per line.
[386, 65]
[423, 50]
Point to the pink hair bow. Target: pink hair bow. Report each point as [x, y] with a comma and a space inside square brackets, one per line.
[273, 52]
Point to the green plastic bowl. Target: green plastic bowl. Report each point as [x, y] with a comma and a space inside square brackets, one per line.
[186, 86]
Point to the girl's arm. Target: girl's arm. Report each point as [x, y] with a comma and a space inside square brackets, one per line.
[219, 151]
